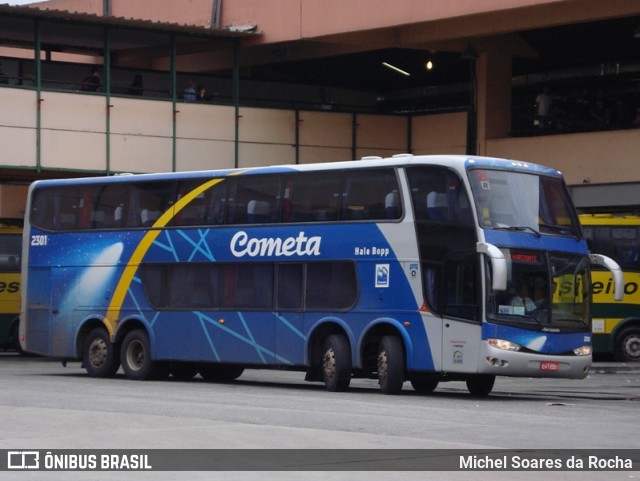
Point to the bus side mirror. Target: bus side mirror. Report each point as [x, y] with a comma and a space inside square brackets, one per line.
[498, 265]
[613, 267]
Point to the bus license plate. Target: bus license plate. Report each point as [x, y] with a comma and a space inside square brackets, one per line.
[549, 366]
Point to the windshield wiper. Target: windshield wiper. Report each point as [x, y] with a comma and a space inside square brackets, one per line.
[519, 228]
[510, 317]
[559, 228]
[573, 321]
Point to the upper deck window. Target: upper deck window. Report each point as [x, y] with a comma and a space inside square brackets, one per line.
[322, 196]
[10, 252]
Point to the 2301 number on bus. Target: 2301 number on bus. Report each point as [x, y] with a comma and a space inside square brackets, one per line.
[39, 240]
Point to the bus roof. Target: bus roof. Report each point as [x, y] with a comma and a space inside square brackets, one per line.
[458, 162]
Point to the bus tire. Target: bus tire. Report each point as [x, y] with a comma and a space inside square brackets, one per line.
[220, 372]
[390, 365]
[480, 385]
[425, 385]
[99, 356]
[336, 363]
[627, 347]
[135, 356]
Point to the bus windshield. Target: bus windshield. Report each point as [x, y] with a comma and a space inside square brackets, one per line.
[549, 290]
[520, 201]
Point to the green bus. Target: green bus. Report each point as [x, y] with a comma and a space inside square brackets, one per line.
[10, 255]
[615, 325]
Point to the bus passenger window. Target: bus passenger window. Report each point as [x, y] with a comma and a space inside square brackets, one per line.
[98, 219]
[460, 279]
[207, 208]
[439, 196]
[247, 286]
[437, 206]
[150, 200]
[365, 194]
[148, 217]
[10, 252]
[311, 197]
[331, 286]
[392, 205]
[259, 188]
[289, 286]
[432, 284]
[258, 212]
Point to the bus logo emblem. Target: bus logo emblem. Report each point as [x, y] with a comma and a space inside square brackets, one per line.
[382, 275]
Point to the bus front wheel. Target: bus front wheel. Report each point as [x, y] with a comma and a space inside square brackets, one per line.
[480, 385]
[136, 355]
[628, 345]
[336, 363]
[99, 356]
[390, 365]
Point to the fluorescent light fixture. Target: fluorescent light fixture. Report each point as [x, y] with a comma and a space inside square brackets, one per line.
[396, 69]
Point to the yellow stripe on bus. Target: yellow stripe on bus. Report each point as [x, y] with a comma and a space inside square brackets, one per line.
[10, 293]
[113, 311]
[602, 286]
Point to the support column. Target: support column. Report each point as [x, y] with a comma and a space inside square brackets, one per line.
[106, 67]
[236, 101]
[38, 62]
[493, 71]
[174, 104]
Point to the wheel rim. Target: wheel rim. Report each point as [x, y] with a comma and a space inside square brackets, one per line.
[329, 364]
[98, 352]
[136, 355]
[631, 347]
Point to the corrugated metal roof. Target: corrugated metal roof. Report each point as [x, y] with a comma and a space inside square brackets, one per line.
[83, 17]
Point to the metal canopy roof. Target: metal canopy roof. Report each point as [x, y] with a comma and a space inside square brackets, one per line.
[26, 12]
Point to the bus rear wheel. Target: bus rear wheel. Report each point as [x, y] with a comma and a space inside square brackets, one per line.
[480, 385]
[99, 356]
[390, 365]
[336, 363]
[628, 345]
[136, 355]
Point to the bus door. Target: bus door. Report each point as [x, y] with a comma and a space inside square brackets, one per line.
[461, 330]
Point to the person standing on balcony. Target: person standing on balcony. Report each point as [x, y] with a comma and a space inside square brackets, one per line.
[91, 83]
[544, 109]
[190, 93]
[137, 86]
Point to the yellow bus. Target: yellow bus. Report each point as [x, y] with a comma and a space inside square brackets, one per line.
[615, 325]
[10, 254]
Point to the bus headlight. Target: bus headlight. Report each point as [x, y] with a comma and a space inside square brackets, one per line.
[583, 351]
[504, 345]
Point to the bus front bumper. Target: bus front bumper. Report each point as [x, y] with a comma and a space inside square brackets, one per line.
[500, 362]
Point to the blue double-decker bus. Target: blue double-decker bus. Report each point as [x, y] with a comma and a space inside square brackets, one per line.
[412, 268]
